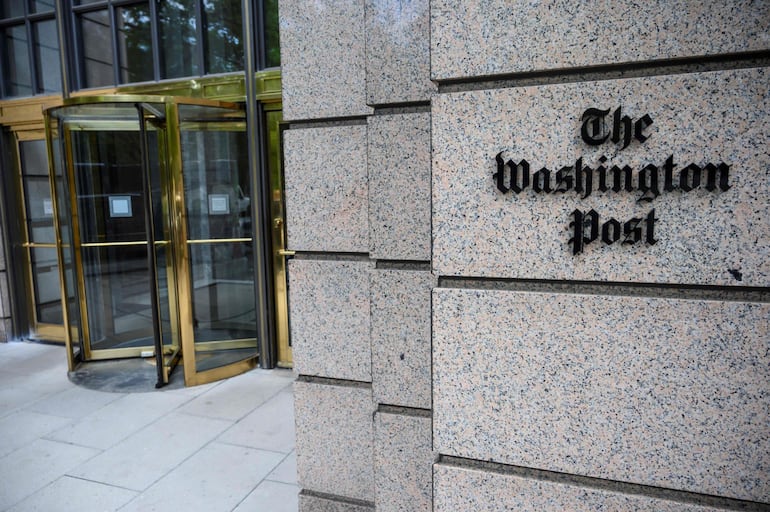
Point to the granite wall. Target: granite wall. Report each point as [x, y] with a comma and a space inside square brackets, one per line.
[532, 254]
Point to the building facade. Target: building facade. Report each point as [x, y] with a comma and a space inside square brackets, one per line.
[528, 255]
[531, 259]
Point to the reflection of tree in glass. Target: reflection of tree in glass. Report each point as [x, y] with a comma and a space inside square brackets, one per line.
[272, 45]
[135, 43]
[178, 39]
[177, 26]
[224, 31]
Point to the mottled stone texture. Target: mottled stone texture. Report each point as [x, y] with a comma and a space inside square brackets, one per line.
[335, 453]
[323, 62]
[329, 307]
[398, 51]
[663, 392]
[462, 489]
[702, 237]
[471, 39]
[326, 189]
[403, 463]
[310, 503]
[399, 186]
[401, 358]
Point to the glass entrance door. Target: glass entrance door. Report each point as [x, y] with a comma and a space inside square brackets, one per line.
[154, 212]
[217, 294]
[113, 225]
[107, 172]
[39, 241]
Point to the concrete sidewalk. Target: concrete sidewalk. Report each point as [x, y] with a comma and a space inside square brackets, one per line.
[225, 446]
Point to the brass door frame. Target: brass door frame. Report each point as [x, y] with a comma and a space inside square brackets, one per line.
[72, 334]
[174, 206]
[89, 352]
[38, 329]
[274, 161]
[83, 341]
[183, 243]
[23, 116]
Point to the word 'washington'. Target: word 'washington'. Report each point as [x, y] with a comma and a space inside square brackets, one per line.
[598, 128]
[583, 180]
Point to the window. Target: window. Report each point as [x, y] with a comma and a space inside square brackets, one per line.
[178, 26]
[29, 46]
[272, 50]
[117, 42]
[224, 36]
[123, 42]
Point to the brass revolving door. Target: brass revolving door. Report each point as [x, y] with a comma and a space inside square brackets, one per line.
[153, 210]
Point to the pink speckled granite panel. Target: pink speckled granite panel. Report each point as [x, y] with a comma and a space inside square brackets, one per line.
[662, 392]
[401, 337]
[469, 490]
[403, 463]
[702, 237]
[323, 60]
[398, 51]
[329, 307]
[482, 38]
[335, 438]
[399, 186]
[326, 189]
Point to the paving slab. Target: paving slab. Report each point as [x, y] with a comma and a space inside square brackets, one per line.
[235, 398]
[69, 494]
[269, 427]
[222, 476]
[119, 419]
[23, 427]
[272, 496]
[286, 471]
[36, 465]
[146, 456]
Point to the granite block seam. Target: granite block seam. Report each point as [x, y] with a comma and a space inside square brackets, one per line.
[326, 381]
[333, 497]
[404, 411]
[657, 290]
[722, 62]
[603, 484]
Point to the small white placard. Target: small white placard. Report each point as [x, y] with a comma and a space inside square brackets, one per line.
[219, 204]
[120, 206]
[48, 207]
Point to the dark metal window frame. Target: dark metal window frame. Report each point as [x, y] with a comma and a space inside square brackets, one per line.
[77, 53]
[28, 19]
[259, 20]
[66, 16]
[111, 6]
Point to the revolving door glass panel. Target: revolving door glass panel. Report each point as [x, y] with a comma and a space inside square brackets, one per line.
[110, 201]
[62, 212]
[217, 191]
[110, 172]
[154, 215]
